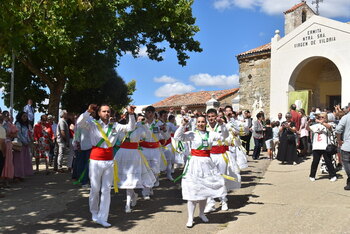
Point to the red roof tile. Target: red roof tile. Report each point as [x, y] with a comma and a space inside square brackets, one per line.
[260, 49]
[195, 98]
[295, 7]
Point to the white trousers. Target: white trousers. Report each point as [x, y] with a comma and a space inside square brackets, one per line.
[101, 179]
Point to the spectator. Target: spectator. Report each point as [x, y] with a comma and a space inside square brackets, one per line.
[343, 128]
[247, 130]
[258, 135]
[276, 138]
[30, 111]
[279, 118]
[296, 117]
[268, 138]
[43, 138]
[52, 121]
[303, 133]
[62, 141]
[320, 141]
[24, 136]
[287, 151]
[2, 147]
[82, 143]
[10, 133]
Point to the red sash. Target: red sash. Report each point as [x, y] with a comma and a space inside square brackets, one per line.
[200, 153]
[150, 145]
[172, 134]
[129, 145]
[226, 148]
[98, 153]
[218, 149]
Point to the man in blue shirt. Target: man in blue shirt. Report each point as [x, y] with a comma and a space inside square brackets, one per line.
[343, 136]
[29, 109]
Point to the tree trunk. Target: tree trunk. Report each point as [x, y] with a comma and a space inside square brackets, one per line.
[55, 99]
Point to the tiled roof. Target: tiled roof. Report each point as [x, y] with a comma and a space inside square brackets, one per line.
[260, 49]
[295, 7]
[195, 98]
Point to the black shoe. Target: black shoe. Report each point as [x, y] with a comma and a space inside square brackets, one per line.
[347, 187]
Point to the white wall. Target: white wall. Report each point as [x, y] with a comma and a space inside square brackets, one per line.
[304, 42]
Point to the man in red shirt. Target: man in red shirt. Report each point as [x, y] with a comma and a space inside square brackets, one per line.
[296, 117]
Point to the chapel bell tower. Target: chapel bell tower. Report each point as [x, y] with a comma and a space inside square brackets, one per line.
[296, 15]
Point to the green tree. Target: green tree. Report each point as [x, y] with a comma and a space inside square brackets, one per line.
[59, 41]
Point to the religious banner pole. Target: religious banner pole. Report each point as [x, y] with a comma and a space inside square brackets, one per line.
[12, 82]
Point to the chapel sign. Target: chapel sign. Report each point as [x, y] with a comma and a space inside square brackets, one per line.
[314, 37]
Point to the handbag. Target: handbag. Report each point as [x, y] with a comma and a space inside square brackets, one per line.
[331, 148]
[17, 146]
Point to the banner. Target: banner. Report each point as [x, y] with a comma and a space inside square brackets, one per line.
[300, 98]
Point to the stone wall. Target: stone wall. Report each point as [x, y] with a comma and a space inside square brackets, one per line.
[254, 79]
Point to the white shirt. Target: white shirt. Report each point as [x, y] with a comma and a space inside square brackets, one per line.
[149, 137]
[82, 135]
[86, 122]
[320, 137]
[217, 129]
[195, 137]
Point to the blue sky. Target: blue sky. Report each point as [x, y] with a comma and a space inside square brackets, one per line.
[227, 28]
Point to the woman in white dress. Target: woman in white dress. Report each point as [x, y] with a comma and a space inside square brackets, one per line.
[200, 179]
[133, 168]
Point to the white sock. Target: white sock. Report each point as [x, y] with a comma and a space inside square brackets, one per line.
[129, 194]
[191, 206]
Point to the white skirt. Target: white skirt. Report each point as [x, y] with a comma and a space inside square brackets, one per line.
[169, 153]
[202, 180]
[132, 170]
[233, 171]
[155, 159]
[241, 157]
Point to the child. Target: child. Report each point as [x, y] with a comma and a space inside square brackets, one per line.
[268, 138]
[276, 139]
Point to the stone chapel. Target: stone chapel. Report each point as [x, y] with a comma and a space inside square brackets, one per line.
[313, 58]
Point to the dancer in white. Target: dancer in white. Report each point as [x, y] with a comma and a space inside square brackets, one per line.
[166, 143]
[220, 158]
[103, 135]
[201, 178]
[133, 168]
[151, 146]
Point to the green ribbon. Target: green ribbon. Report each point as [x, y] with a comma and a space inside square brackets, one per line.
[185, 170]
[107, 134]
[81, 177]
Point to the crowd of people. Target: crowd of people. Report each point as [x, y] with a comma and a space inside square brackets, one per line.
[103, 151]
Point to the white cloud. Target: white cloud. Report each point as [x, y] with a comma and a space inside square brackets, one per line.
[220, 81]
[334, 8]
[164, 79]
[141, 54]
[168, 90]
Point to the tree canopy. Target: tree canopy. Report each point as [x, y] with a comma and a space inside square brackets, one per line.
[71, 41]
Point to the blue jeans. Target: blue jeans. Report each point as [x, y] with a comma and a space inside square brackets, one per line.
[258, 143]
[345, 155]
[82, 163]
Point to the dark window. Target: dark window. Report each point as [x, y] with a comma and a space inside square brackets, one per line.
[303, 16]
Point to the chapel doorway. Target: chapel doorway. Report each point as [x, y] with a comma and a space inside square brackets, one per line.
[322, 78]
